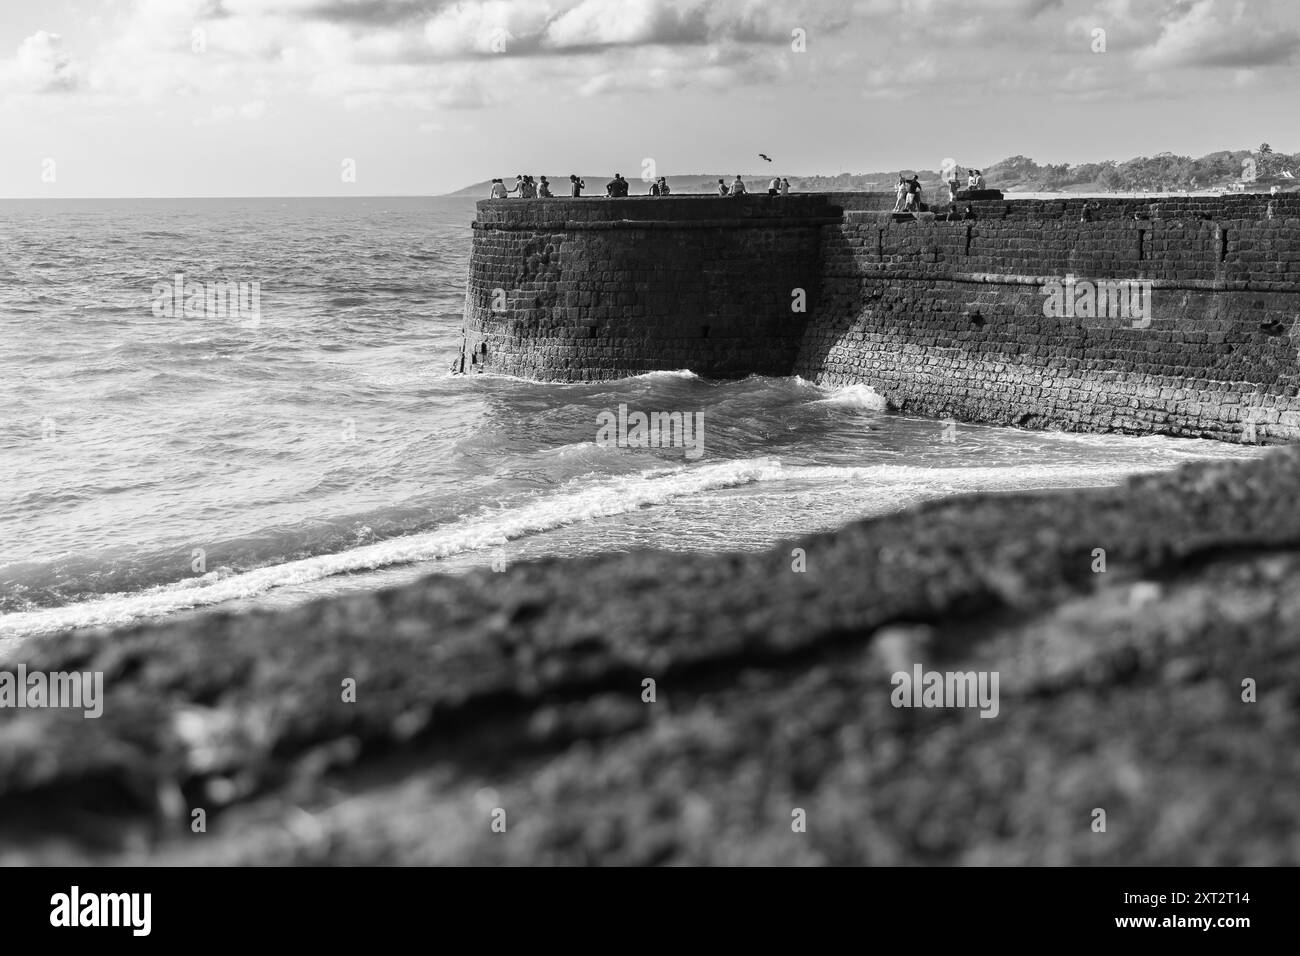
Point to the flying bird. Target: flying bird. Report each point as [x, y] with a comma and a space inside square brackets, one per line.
[765, 156]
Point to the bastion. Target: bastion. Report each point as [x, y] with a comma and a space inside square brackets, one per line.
[957, 318]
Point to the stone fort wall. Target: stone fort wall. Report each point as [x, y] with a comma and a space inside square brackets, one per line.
[946, 319]
[584, 289]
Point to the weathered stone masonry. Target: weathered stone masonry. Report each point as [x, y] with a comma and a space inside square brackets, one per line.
[943, 318]
[574, 290]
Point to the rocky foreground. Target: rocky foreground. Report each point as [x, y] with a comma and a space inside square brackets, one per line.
[517, 698]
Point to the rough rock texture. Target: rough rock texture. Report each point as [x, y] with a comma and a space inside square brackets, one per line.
[1119, 690]
[951, 319]
[583, 289]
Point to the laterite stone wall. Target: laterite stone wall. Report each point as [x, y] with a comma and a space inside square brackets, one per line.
[585, 289]
[945, 319]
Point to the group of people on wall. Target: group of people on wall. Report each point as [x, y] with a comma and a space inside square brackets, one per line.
[909, 195]
[779, 186]
[526, 188]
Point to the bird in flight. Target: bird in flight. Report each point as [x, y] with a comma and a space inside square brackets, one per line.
[765, 156]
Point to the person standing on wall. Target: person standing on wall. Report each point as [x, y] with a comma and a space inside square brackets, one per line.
[900, 194]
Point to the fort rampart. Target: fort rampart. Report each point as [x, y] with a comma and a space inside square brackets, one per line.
[1173, 315]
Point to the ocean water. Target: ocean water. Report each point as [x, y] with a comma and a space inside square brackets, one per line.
[153, 463]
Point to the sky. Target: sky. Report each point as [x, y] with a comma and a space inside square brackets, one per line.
[106, 98]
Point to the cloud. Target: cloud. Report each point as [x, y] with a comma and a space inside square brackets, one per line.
[1207, 33]
[40, 66]
[437, 54]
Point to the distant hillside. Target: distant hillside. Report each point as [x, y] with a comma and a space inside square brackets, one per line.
[1164, 172]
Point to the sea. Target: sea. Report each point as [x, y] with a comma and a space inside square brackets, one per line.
[159, 460]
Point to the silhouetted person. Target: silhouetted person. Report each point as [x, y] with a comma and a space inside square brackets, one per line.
[913, 203]
[576, 186]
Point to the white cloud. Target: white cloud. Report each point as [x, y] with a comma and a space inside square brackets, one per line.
[40, 66]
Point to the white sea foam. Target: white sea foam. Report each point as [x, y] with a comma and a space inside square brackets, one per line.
[855, 396]
[491, 529]
[580, 500]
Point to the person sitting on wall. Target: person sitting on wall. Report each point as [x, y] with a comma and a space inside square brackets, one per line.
[576, 186]
[785, 186]
[972, 178]
[518, 187]
[900, 193]
[544, 189]
[620, 185]
[738, 186]
[663, 186]
[654, 188]
[979, 179]
[611, 187]
[722, 188]
[499, 190]
[774, 187]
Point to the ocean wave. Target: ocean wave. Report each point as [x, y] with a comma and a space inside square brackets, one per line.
[579, 500]
[855, 396]
[486, 530]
